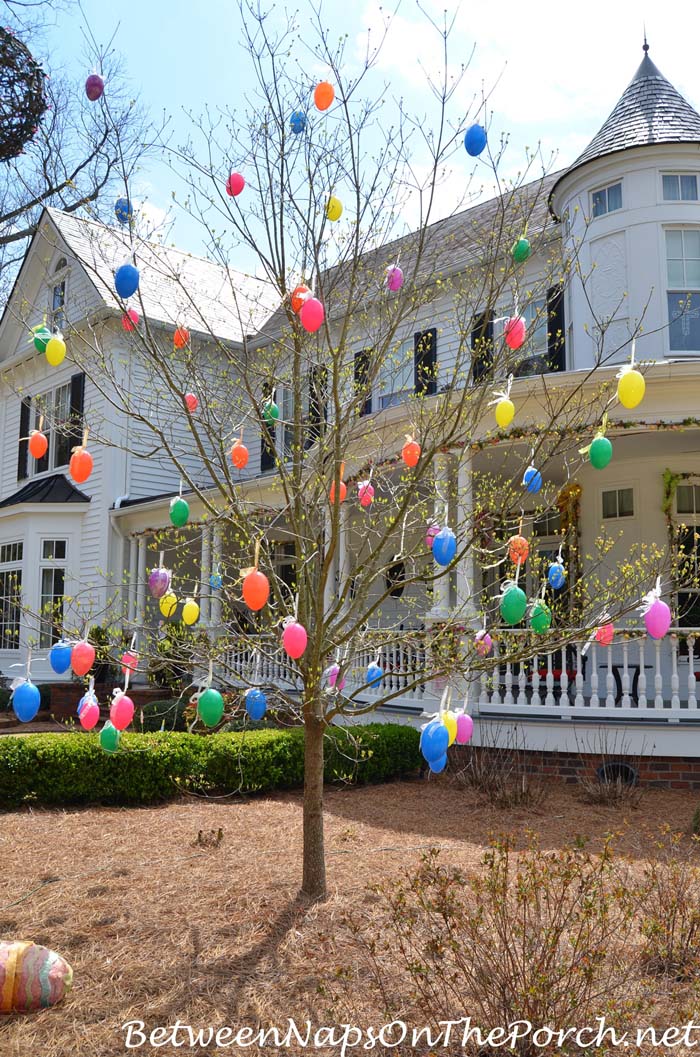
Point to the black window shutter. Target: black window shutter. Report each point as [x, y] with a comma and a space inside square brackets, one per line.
[23, 451]
[425, 362]
[482, 344]
[318, 407]
[556, 329]
[267, 446]
[362, 371]
[77, 401]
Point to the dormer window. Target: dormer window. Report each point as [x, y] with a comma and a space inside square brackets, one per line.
[606, 200]
[680, 187]
[58, 296]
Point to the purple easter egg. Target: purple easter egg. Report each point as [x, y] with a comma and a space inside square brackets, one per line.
[430, 535]
[465, 728]
[159, 582]
[394, 278]
[333, 673]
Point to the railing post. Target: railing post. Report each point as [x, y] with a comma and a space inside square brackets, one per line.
[579, 701]
[675, 696]
[658, 681]
[536, 699]
[625, 680]
[692, 699]
[642, 679]
[595, 700]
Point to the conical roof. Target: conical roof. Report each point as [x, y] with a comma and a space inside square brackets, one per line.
[649, 111]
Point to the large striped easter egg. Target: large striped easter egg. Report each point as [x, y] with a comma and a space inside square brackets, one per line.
[31, 977]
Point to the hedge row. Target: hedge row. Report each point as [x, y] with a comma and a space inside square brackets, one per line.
[74, 769]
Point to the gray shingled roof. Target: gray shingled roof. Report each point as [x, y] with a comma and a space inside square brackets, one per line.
[175, 287]
[649, 111]
[54, 489]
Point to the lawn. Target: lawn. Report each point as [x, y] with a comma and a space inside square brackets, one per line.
[162, 924]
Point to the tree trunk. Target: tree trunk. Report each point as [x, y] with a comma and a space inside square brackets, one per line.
[314, 876]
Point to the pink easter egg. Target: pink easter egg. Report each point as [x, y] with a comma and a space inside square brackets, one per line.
[294, 639]
[312, 315]
[658, 619]
[514, 332]
[365, 493]
[122, 712]
[430, 536]
[234, 184]
[394, 278]
[130, 662]
[483, 643]
[192, 402]
[130, 319]
[82, 658]
[333, 673]
[89, 715]
[605, 634]
[465, 728]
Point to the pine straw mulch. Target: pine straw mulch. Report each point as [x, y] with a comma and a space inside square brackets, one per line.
[159, 927]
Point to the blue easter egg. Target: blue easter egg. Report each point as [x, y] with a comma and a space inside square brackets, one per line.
[444, 546]
[255, 703]
[25, 701]
[434, 740]
[475, 140]
[298, 121]
[122, 210]
[532, 480]
[556, 575]
[438, 765]
[59, 657]
[375, 674]
[126, 280]
[216, 581]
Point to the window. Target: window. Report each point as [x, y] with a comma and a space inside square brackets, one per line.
[680, 188]
[53, 580]
[607, 200]
[54, 408]
[10, 594]
[396, 375]
[683, 275]
[688, 552]
[618, 502]
[58, 296]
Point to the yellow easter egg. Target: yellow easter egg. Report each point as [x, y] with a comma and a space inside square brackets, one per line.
[334, 209]
[55, 350]
[168, 604]
[450, 721]
[505, 410]
[630, 388]
[190, 611]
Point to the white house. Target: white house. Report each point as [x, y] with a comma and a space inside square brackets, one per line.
[626, 215]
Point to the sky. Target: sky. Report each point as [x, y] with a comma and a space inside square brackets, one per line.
[552, 72]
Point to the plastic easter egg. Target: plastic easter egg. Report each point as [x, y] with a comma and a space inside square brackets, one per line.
[333, 673]
[518, 549]
[532, 480]
[514, 332]
[130, 662]
[658, 619]
[631, 388]
[465, 728]
[434, 740]
[297, 121]
[239, 455]
[121, 712]
[190, 612]
[59, 657]
[191, 402]
[255, 703]
[312, 315]
[122, 210]
[342, 492]
[483, 643]
[324, 94]
[234, 185]
[32, 977]
[439, 765]
[513, 605]
[159, 581]
[294, 639]
[334, 209]
[89, 714]
[130, 319]
[410, 453]
[216, 581]
[299, 295]
[109, 737]
[38, 444]
[605, 634]
[444, 546]
[55, 350]
[375, 674]
[210, 707]
[450, 721]
[126, 280]
[256, 590]
[94, 87]
[475, 140]
[181, 338]
[600, 452]
[41, 337]
[520, 250]
[26, 699]
[270, 412]
[80, 465]
[365, 493]
[505, 411]
[556, 576]
[431, 533]
[82, 657]
[540, 617]
[168, 604]
[394, 278]
[179, 511]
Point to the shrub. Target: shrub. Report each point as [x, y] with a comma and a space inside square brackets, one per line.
[73, 769]
[670, 908]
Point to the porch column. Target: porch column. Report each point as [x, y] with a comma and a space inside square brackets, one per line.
[141, 581]
[205, 591]
[217, 550]
[131, 585]
[465, 518]
[440, 609]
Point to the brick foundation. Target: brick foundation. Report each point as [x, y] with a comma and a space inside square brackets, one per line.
[65, 697]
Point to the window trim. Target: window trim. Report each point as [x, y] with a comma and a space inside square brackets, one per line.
[689, 521]
[60, 275]
[34, 417]
[14, 565]
[606, 187]
[671, 290]
[678, 173]
[45, 565]
[619, 488]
